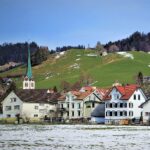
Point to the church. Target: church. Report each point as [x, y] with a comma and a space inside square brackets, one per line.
[29, 103]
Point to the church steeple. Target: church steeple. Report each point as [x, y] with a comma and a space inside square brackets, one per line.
[28, 82]
[29, 69]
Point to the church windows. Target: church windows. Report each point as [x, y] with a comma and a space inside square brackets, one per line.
[26, 84]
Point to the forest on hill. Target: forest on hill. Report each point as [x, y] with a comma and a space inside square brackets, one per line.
[18, 53]
[137, 41]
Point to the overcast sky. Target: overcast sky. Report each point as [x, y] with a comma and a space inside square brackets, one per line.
[72, 22]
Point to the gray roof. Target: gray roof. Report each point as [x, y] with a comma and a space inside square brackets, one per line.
[99, 111]
[36, 96]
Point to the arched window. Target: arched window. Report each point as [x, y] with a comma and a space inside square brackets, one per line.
[26, 84]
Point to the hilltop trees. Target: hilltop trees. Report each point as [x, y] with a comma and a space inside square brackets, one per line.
[40, 55]
[137, 41]
[18, 53]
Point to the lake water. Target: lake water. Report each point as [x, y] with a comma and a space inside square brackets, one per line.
[74, 137]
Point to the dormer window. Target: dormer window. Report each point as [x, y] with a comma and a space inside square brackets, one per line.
[134, 97]
[139, 97]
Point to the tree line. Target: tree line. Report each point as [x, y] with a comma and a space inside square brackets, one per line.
[19, 53]
[136, 42]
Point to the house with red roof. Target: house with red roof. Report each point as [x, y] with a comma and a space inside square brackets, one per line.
[122, 104]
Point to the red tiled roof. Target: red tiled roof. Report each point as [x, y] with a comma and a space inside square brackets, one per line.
[126, 91]
[103, 92]
[89, 88]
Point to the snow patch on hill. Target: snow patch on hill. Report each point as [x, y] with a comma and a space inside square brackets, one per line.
[91, 55]
[125, 54]
[75, 66]
[59, 55]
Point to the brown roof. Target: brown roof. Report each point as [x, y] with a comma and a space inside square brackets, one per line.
[37, 96]
[79, 95]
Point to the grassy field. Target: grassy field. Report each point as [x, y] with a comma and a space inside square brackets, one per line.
[105, 70]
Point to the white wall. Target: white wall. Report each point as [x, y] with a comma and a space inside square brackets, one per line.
[31, 109]
[136, 103]
[88, 102]
[8, 102]
[146, 109]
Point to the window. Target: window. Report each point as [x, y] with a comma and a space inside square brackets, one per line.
[72, 113]
[125, 105]
[147, 113]
[130, 105]
[130, 113]
[124, 113]
[7, 108]
[68, 105]
[115, 105]
[67, 114]
[139, 97]
[32, 85]
[17, 107]
[115, 113]
[79, 113]
[93, 104]
[62, 106]
[121, 113]
[134, 97]
[121, 105]
[117, 96]
[26, 84]
[79, 106]
[106, 113]
[110, 113]
[36, 107]
[35, 115]
[72, 105]
[13, 99]
[8, 115]
[88, 106]
[110, 105]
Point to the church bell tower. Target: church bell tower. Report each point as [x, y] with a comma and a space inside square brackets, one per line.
[28, 82]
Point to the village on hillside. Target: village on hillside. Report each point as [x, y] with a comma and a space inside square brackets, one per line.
[119, 104]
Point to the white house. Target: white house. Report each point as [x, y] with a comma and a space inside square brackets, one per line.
[70, 105]
[29, 104]
[122, 103]
[146, 112]
[81, 104]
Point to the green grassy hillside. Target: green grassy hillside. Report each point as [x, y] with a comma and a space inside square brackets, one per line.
[105, 70]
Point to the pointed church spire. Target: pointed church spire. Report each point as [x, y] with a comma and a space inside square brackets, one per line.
[29, 69]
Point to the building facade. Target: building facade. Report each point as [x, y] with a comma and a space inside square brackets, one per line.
[29, 104]
[122, 103]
